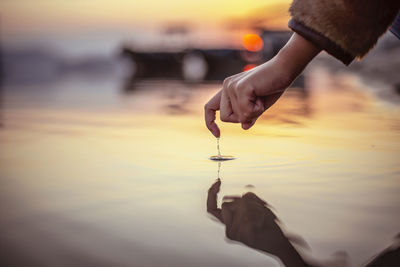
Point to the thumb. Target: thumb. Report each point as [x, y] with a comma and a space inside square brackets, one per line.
[258, 107]
[257, 110]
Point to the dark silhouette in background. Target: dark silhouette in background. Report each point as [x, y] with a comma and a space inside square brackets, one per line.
[250, 221]
[195, 64]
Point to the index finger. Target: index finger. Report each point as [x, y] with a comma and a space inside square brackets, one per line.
[212, 207]
[209, 114]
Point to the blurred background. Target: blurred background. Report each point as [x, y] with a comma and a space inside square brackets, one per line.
[104, 153]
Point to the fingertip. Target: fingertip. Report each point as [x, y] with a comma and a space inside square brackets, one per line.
[215, 131]
[246, 126]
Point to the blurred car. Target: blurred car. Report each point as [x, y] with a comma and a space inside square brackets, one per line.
[198, 65]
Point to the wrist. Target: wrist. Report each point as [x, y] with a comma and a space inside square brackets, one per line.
[296, 55]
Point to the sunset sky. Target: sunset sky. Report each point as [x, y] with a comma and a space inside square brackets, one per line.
[61, 20]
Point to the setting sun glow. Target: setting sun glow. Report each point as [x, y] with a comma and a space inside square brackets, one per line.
[252, 42]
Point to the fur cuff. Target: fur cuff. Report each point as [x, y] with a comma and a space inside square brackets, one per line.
[321, 41]
[353, 25]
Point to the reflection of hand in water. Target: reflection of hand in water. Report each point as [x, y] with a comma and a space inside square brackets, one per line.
[249, 220]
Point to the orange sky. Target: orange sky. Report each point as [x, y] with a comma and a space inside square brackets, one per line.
[101, 26]
[21, 17]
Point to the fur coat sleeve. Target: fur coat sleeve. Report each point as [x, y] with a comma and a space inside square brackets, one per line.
[346, 29]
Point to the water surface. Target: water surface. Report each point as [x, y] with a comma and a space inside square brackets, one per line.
[97, 173]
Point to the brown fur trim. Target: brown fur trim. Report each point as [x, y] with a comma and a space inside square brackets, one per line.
[321, 41]
[354, 25]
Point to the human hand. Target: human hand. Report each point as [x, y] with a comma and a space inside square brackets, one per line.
[245, 96]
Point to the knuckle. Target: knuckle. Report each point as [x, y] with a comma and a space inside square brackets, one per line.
[230, 233]
[229, 84]
[244, 85]
[225, 206]
[226, 81]
[248, 195]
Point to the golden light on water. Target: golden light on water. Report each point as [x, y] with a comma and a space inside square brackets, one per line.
[130, 171]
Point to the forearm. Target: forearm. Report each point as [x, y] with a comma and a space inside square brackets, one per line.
[296, 55]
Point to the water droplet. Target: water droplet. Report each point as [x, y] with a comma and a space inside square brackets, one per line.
[220, 157]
